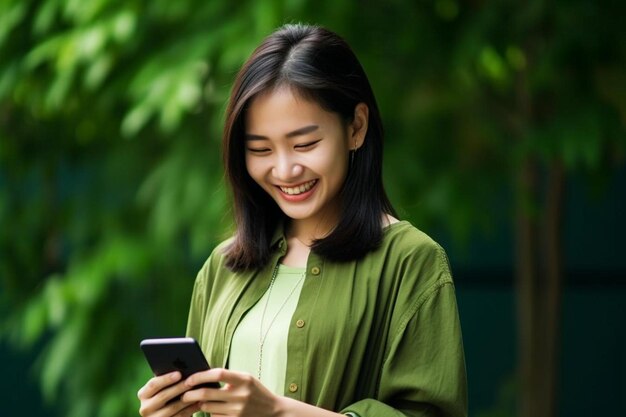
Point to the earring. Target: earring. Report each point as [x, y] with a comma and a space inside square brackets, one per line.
[352, 153]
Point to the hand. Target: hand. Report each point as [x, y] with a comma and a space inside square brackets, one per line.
[157, 394]
[241, 396]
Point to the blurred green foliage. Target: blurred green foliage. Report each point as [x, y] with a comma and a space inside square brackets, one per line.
[111, 191]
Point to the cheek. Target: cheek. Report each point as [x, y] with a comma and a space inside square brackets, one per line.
[338, 165]
[252, 168]
[256, 169]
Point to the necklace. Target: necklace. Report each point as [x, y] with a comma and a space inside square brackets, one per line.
[263, 335]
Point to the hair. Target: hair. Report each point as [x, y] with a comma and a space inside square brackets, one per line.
[320, 66]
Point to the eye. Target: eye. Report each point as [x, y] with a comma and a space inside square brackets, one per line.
[307, 145]
[258, 150]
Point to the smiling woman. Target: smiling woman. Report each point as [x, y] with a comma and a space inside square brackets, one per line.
[323, 302]
[298, 153]
[316, 67]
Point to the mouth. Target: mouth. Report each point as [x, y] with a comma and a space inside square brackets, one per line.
[300, 189]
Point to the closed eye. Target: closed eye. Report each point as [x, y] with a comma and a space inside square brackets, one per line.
[307, 145]
[258, 150]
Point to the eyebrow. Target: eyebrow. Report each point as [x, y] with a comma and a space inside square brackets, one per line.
[298, 132]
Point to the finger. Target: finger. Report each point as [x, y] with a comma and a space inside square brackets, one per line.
[168, 394]
[227, 393]
[212, 375]
[162, 400]
[203, 394]
[156, 384]
[173, 409]
[219, 375]
[183, 409]
[216, 409]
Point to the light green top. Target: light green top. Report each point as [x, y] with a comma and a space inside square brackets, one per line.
[268, 321]
[376, 337]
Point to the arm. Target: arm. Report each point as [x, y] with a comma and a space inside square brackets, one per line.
[423, 374]
[242, 395]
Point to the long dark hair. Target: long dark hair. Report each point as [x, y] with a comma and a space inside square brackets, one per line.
[319, 65]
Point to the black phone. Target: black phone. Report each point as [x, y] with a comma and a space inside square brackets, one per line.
[181, 354]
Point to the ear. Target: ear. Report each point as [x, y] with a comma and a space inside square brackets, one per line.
[358, 127]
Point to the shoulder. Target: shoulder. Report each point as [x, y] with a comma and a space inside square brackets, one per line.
[404, 231]
[412, 262]
[418, 267]
[402, 241]
[215, 263]
[219, 252]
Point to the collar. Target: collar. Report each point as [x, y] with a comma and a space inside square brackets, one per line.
[278, 238]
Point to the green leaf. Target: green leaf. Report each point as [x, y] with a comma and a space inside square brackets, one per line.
[11, 15]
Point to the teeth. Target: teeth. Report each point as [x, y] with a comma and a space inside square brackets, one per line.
[300, 189]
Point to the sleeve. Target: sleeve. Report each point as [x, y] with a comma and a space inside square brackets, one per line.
[197, 307]
[195, 321]
[199, 297]
[424, 372]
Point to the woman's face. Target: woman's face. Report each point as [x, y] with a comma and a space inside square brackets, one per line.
[298, 153]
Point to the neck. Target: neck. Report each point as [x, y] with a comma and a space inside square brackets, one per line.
[307, 232]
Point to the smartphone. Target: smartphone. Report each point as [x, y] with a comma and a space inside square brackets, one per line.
[181, 354]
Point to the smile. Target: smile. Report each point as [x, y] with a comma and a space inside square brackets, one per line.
[302, 188]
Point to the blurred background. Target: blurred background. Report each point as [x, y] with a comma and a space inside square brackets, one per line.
[505, 141]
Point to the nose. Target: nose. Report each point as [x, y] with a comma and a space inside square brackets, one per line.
[286, 168]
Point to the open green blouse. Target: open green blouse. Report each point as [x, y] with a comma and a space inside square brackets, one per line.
[375, 337]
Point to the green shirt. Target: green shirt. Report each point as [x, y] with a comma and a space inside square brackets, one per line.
[269, 320]
[376, 337]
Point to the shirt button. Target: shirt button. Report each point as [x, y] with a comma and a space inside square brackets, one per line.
[300, 323]
[293, 387]
[315, 270]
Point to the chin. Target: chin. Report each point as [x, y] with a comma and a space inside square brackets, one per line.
[296, 216]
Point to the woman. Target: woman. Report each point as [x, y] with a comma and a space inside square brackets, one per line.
[323, 303]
